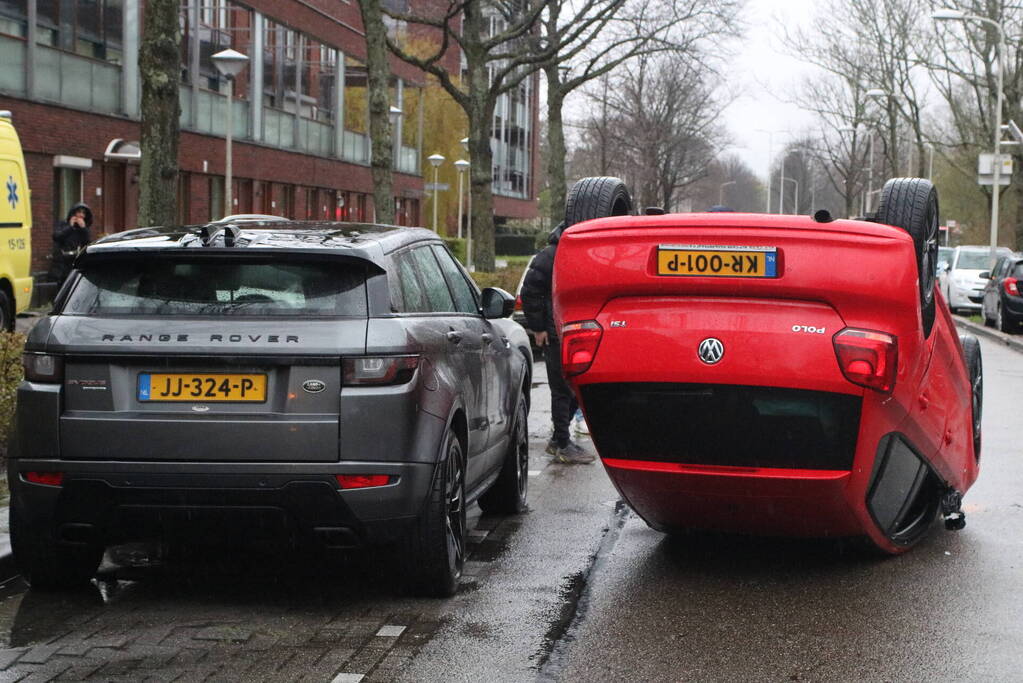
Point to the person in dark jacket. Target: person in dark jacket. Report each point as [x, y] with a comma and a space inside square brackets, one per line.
[539, 309]
[69, 238]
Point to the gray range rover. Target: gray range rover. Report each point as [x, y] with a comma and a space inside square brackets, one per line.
[334, 384]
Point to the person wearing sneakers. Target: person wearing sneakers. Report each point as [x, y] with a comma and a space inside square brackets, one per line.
[539, 310]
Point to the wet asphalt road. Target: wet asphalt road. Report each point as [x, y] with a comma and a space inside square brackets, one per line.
[577, 589]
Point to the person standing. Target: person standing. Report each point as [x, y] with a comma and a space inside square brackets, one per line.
[69, 238]
[539, 309]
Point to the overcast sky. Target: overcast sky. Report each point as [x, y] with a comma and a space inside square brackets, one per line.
[763, 74]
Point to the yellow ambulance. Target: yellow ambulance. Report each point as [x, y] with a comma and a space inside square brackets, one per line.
[15, 227]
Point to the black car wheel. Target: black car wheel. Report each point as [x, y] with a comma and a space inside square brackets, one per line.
[912, 204]
[597, 197]
[436, 550]
[6, 312]
[45, 563]
[1002, 322]
[975, 366]
[508, 494]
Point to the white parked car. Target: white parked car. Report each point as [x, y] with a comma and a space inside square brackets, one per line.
[960, 282]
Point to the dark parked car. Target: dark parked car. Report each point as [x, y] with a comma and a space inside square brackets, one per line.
[332, 384]
[1002, 306]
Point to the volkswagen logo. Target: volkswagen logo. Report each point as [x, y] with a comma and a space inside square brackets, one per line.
[711, 350]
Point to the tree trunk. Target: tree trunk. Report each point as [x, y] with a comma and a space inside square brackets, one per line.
[378, 76]
[481, 180]
[160, 68]
[556, 152]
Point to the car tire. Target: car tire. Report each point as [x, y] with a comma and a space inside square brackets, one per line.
[435, 551]
[508, 494]
[6, 312]
[975, 368]
[988, 322]
[46, 564]
[597, 197]
[912, 204]
[1002, 322]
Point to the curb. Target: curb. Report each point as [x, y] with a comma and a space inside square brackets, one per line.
[1014, 343]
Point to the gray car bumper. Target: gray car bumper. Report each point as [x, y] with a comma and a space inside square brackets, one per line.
[107, 503]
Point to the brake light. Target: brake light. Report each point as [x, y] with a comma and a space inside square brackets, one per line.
[45, 478]
[518, 303]
[1011, 286]
[362, 481]
[378, 370]
[42, 367]
[870, 359]
[579, 342]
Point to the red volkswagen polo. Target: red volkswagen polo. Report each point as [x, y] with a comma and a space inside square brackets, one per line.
[770, 374]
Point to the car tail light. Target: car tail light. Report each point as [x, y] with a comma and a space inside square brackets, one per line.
[870, 359]
[579, 342]
[45, 478]
[378, 370]
[1011, 285]
[43, 367]
[518, 303]
[362, 481]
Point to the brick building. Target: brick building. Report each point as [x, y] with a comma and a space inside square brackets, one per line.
[69, 74]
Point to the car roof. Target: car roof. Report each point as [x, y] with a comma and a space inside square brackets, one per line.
[365, 240]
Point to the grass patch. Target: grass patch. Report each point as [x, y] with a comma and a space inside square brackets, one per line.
[506, 278]
[11, 346]
[976, 318]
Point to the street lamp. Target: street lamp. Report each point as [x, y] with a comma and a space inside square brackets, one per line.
[435, 160]
[468, 212]
[461, 166]
[229, 63]
[396, 135]
[781, 209]
[721, 191]
[947, 14]
[770, 153]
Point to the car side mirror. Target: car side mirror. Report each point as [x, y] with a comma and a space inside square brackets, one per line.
[942, 267]
[497, 303]
[986, 275]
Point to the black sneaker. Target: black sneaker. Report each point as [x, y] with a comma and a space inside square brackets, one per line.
[573, 454]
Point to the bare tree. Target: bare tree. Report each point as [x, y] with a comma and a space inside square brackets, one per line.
[378, 77]
[659, 118]
[160, 69]
[499, 45]
[729, 182]
[622, 31]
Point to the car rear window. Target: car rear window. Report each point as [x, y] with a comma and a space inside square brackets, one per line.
[973, 260]
[1017, 271]
[205, 287]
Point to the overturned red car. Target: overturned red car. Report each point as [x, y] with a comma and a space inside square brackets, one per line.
[770, 374]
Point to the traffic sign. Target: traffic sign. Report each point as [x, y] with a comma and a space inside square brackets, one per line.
[439, 187]
[986, 169]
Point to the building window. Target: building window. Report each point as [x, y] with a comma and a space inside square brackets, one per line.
[68, 184]
[184, 198]
[299, 73]
[14, 17]
[222, 25]
[91, 28]
[352, 206]
[406, 211]
[216, 198]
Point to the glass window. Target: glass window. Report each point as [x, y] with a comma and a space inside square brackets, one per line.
[412, 290]
[69, 191]
[14, 17]
[356, 104]
[91, 28]
[216, 198]
[433, 281]
[204, 287]
[465, 296]
[1017, 271]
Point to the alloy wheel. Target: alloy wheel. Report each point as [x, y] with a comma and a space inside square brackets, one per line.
[455, 497]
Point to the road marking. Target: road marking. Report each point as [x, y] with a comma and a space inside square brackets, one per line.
[348, 678]
[390, 631]
[535, 473]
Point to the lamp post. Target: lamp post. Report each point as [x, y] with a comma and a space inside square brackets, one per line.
[229, 63]
[770, 154]
[396, 135]
[435, 160]
[948, 14]
[461, 166]
[721, 191]
[784, 180]
[468, 210]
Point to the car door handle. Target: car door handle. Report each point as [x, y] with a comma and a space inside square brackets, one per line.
[487, 337]
[454, 337]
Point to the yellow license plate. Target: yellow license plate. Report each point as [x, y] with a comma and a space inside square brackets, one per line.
[717, 261]
[202, 387]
